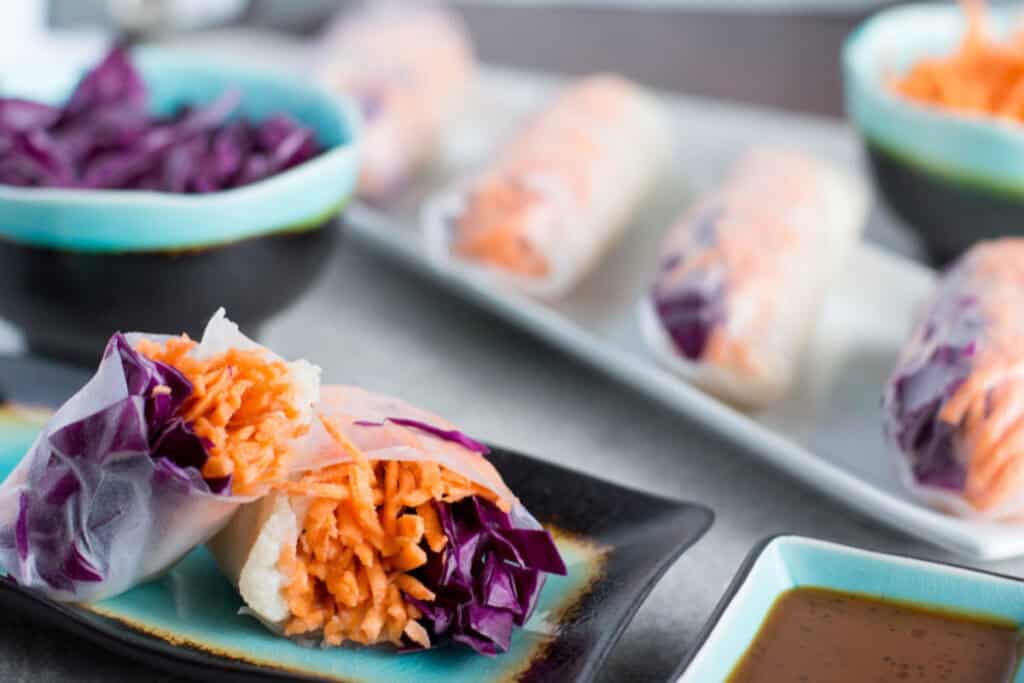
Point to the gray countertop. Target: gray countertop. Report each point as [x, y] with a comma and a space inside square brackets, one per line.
[369, 322]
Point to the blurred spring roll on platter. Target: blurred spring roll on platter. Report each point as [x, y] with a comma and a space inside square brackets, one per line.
[408, 65]
[559, 193]
[741, 276]
[402, 534]
[151, 458]
[954, 404]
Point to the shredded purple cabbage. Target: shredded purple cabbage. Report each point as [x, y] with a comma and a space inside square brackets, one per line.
[689, 313]
[488, 578]
[690, 310]
[943, 347]
[453, 435]
[67, 484]
[104, 138]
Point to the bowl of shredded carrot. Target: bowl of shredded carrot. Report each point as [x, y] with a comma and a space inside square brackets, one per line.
[937, 93]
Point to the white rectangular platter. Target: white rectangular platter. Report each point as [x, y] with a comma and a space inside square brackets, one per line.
[828, 432]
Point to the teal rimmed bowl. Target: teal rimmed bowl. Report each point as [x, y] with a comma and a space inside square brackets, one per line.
[781, 563]
[955, 178]
[75, 265]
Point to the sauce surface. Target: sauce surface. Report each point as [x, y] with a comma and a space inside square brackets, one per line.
[816, 635]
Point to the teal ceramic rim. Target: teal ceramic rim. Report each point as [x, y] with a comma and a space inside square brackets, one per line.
[319, 221]
[975, 150]
[944, 173]
[301, 198]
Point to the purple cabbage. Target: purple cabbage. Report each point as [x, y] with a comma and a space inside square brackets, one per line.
[112, 82]
[941, 354]
[104, 138]
[453, 435]
[488, 578]
[689, 313]
[19, 116]
[77, 478]
[690, 310]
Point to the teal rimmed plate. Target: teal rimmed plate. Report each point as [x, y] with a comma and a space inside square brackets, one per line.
[76, 264]
[781, 563]
[617, 543]
[956, 178]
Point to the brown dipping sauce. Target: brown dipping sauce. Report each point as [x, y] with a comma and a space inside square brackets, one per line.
[816, 635]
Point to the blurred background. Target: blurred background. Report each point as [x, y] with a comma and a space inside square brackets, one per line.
[781, 53]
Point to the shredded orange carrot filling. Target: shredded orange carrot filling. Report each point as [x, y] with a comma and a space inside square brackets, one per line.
[987, 407]
[242, 402]
[494, 227]
[983, 75]
[370, 523]
[563, 143]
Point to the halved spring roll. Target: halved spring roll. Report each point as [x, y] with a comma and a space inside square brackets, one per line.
[151, 458]
[560, 193]
[403, 535]
[407, 65]
[954, 404]
[742, 275]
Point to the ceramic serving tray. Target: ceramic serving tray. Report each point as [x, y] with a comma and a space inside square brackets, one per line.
[828, 432]
[617, 543]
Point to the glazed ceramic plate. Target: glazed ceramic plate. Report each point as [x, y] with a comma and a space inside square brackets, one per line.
[616, 542]
[784, 562]
[828, 433]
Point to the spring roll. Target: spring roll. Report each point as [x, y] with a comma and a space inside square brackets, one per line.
[954, 404]
[151, 458]
[742, 275]
[560, 193]
[407, 65]
[401, 534]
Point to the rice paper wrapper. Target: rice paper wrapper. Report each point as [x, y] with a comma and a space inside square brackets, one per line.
[954, 403]
[584, 202]
[247, 550]
[387, 428]
[408, 65]
[89, 512]
[742, 275]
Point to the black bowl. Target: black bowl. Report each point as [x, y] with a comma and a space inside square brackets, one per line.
[68, 303]
[950, 215]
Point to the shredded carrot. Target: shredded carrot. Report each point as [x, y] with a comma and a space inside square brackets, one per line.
[244, 404]
[987, 408]
[349, 573]
[563, 142]
[983, 75]
[495, 225]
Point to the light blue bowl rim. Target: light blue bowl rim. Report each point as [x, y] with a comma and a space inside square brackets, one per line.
[973, 149]
[338, 161]
[762, 546]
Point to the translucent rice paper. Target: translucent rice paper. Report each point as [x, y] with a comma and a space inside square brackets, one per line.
[365, 420]
[741, 276]
[248, 549]
[130, 518]
[586, 162]
[408, 65]
[954, 404]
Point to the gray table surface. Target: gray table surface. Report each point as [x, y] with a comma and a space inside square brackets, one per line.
[369, 322]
